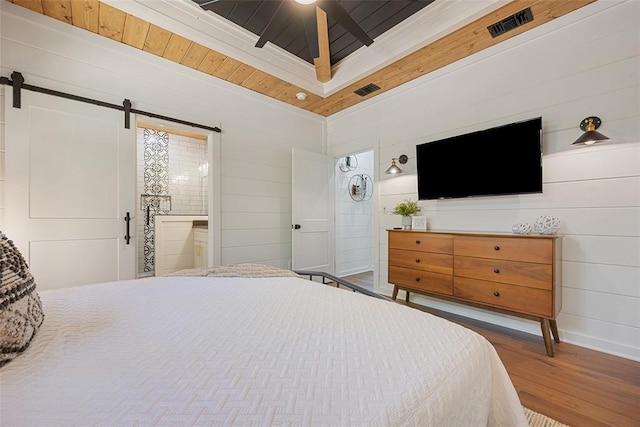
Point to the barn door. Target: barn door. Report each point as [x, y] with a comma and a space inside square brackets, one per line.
[70, 182]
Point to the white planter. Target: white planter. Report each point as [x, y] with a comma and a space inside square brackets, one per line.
[406, 222]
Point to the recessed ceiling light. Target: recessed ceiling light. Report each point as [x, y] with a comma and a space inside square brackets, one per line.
[305, 1]
[301, 95]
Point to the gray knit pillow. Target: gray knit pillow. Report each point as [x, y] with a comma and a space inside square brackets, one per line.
[20, 308]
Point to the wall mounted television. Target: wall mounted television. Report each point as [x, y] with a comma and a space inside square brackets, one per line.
[502, 160]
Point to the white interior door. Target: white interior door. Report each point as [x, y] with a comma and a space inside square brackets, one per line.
[70, 180]
[313, 212]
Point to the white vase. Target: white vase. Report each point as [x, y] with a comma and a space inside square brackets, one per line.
[406, 222]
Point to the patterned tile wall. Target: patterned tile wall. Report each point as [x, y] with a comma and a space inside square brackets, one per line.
[155, 190]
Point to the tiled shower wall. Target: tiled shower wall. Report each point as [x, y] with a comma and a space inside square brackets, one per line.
[186, 170]
[354, 218]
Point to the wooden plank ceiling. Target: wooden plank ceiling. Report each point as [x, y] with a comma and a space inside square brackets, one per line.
[107, 21]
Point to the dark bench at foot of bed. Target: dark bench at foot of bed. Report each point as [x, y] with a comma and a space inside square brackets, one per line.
[339, 281]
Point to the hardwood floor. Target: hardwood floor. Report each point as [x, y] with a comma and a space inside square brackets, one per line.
[579, 387]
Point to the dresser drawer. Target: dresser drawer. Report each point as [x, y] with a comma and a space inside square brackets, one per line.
[509, 248]
[426, 261]
[418, 280]
[522, 299]
[426, 242]
[513, 272]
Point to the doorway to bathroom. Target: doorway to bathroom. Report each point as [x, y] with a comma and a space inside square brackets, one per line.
[354, 214]
[171, 198]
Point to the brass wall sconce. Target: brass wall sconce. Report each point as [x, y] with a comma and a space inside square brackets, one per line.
[590, 135]
[394, 169]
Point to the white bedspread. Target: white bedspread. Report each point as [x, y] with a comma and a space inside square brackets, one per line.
[237, 351]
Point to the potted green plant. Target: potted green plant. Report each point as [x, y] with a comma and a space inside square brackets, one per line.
[406, 209]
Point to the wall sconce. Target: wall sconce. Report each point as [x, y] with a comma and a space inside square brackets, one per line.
[590, 135]
[394, 169]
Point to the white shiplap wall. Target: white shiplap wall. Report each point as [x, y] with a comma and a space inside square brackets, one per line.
[258, 132]
[583, 64]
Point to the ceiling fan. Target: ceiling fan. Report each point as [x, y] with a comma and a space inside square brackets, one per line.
[313, 14]
[308, 13]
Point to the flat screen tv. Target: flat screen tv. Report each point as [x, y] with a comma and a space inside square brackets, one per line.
[498, 161]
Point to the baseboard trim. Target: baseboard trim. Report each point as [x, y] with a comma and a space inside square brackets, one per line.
[354, 271]
[525, 325]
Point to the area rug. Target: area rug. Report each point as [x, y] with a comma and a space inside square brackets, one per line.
[536, 419]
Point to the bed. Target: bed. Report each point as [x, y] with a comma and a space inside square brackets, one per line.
[231, 348]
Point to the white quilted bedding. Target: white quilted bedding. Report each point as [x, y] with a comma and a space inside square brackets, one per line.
[244, 351]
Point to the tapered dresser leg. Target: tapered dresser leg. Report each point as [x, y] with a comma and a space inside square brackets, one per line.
[544, 324]
[554, 330]
[395, 292]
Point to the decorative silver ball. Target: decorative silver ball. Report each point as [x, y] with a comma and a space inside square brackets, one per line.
[522, 228]
[547, 224]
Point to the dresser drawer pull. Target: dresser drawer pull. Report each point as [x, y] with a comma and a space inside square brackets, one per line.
[417, 279]
[417, 242]
[418, 260]
[496, 248]
[496, 270]
[496, 293]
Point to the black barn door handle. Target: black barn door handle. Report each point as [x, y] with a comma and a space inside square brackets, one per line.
[127, 219]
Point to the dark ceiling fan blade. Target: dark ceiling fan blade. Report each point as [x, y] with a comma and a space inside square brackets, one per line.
[310, 21]
[274, 26]
[337, 12]
[203, 3]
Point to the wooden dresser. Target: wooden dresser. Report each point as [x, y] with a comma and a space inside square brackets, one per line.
[515, 274]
